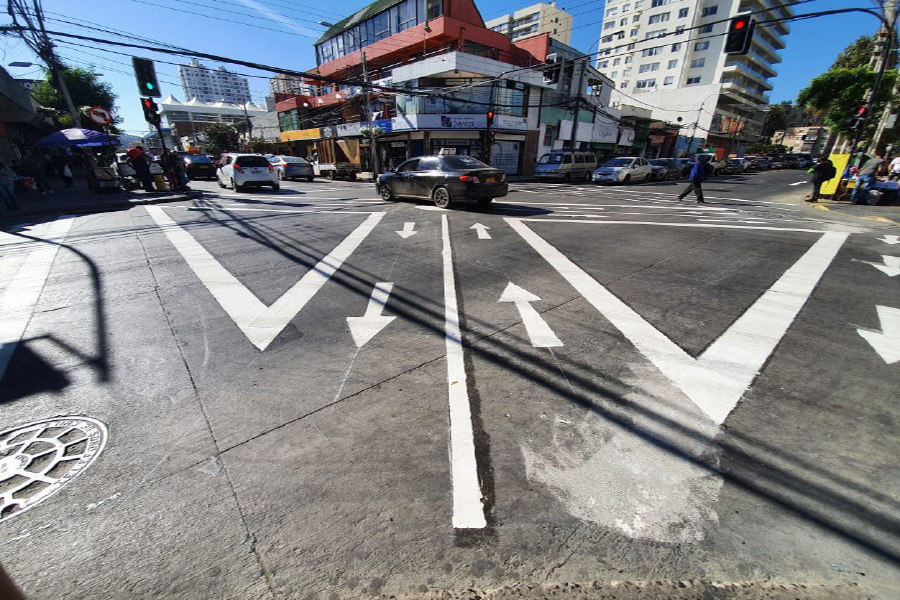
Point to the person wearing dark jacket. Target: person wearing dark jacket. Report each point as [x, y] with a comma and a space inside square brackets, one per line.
[699, 172]
[822, 171]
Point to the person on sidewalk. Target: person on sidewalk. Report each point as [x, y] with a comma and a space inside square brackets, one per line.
[894, 169]
[36, 167]
[8, 187]
[822, 171]
[866, 179]
[137, 158]
[699, 172]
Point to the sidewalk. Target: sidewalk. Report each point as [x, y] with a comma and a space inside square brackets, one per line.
[79, 199]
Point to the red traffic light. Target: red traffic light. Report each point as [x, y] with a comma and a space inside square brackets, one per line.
[861, 112]
[739, 34]
[740, 24]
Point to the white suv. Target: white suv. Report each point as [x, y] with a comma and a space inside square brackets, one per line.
[239, 170]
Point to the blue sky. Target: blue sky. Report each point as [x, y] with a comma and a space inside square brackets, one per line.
[283, 31]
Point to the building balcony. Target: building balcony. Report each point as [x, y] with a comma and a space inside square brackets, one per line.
[464, 64]
[762, 62]
[744, 93]
[769, 48]
[773, 9]
[735, 66]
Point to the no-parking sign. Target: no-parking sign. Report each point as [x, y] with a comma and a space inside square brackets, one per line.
[99, 115]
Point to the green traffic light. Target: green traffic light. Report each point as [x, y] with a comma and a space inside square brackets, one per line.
[149, 85]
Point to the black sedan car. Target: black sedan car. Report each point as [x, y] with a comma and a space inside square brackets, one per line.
[197, 166]
[444, 180]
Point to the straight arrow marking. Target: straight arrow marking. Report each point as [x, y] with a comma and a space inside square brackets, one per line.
[890, 267]
[887, 341]
[717, 379]
[482, 231]
[366, 327]
[538, 330]
[890, 239]
[407, 230]
[260, 323]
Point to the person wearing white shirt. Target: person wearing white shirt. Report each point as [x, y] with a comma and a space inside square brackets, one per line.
[894, 169]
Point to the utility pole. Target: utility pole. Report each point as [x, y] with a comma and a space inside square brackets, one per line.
[50, 58]
[578, 100]
[373, 152]
[883, 44]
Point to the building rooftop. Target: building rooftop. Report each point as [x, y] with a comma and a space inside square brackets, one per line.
[372, 9]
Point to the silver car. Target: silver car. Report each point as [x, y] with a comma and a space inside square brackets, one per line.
[625, 169]
[291, 167]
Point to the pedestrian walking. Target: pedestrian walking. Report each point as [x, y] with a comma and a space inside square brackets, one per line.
[894, 169]
[822, 171]
[7, 186]
[137, 158]
[36, 167]
[699, 172]
[867, 179]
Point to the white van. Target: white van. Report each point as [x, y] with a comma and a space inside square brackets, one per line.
[566, 165]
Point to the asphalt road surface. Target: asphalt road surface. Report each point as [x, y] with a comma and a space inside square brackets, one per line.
[317, 394]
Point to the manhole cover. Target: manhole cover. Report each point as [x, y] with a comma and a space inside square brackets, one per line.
[38, 459]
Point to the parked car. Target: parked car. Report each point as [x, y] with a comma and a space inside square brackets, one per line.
[685, 165]
[804, 160]
[733, 166]
[665, 168]
[291, 167]
[444, 180]
[624, 169]
[776, 161]
[718, 165]
[199, 165]
[791, 161]
[238, 171]
[566, 166]
[760, 163]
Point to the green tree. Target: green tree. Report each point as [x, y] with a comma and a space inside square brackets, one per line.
[85, 89]
[859, 53]
[220, 138]
[777, 118]
[837, 94]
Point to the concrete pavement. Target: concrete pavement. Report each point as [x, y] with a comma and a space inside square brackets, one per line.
[640, 390]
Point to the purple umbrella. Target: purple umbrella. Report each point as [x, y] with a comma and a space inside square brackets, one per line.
[78, 137]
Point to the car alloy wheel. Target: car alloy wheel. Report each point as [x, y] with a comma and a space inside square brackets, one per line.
[385, 193]
[280, 175]
[441, 197]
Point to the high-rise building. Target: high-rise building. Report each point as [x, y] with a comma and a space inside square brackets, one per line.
[286, 84]
[668, 55]
[534, 20]
[213, 85]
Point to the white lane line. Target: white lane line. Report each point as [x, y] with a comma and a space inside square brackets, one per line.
[661, 224]
[585, 206]
[20, 296]
[717, 379]
[260, 323]
[468, 509]
[798, 183]
[276, 210]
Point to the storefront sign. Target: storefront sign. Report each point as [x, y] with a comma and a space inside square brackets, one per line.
[429, 121]
[626, 137]
[508, 122]
[303, 134]
[386, 125]
[348, 129]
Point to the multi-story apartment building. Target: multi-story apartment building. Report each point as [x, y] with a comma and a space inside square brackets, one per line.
[534, 20]
[811, 139]
[213, 85]
[287, 86]
[187, 120]
[451, 71]
[668, 55]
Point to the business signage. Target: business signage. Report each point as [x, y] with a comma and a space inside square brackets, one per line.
[303, 134]
[348, 129]
[508, 122]
[430, 121]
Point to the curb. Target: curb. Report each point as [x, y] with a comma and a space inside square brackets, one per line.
[96, 208]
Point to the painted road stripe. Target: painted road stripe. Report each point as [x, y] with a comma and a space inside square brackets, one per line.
[468, 509]
[260, 323]
[661, 224]
[718, 378]
[798, 183]
[585, 206]
[19, 298]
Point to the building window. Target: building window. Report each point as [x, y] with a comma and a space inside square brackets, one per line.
[614, 74]
[660, 18]
[549, 135]
[634, 32]
[638, 4]
[673, 63]
[701, 46]
[603, 64]
[697, 63]
[623, 22]
[652, 51]
[610, 12]
[655, 34]
[617, 62]
[706, 29]
[683, 13]
[626, 73]
[676, 47]
[648, 68]
[655, 3]
[669, 80]
[693, 80]
[609, 25]
[626, 8]
[645, 83]
[628, 59]
[623, 85]
[630, 46]
[709, 10]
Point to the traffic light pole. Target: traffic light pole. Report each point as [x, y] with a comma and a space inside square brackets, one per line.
[870, 102]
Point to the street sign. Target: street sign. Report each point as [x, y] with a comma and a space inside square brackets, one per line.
[99, 115]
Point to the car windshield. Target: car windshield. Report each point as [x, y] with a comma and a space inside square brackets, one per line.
[199, 159]
[659, 162]
[618, 162]
[463, 162]
[252, 161]
[292, 160]
[550, 159]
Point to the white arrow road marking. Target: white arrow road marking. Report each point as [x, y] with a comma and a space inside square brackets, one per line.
[366, 327]
[891, 266]
[482, 231]
[539, 331]
[887, 341]
[468, 510]
[890, 239]
[407, 230]
[24, 289]
[260, 323]
[798, 183]
[717, 379]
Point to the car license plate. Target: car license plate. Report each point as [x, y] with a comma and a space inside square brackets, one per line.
[490, 179]
[256, 171]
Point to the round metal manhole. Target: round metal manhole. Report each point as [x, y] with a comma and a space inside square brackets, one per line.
[38, 459]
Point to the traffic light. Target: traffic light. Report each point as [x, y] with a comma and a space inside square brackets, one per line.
[740, 34]
[150, 111]
[490, 118]
[145, 74]
[552, 70]
[860, 117]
